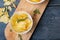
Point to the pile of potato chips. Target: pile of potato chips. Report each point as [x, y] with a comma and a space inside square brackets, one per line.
[4, 17]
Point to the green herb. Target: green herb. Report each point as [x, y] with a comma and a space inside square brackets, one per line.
[20, 37]
[4, 11]
[10, 30]
[9, 0]
[36, 11]
[9, 17]
[1, 15]
[21, 20]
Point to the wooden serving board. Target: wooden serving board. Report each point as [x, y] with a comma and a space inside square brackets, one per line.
[25, 6]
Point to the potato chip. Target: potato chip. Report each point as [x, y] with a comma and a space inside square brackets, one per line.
[4, 17]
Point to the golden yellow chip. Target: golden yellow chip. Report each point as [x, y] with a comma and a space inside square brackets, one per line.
[4, 17]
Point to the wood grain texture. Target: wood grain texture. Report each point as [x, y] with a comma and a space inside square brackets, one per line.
[25, 6]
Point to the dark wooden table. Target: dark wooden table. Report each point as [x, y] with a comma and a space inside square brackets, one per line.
[48, 27]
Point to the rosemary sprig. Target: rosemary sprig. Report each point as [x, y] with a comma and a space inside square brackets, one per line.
[10, 30]
[36, 11]
[21, 20]
[9, 0]
[1, 15]
[20, 37]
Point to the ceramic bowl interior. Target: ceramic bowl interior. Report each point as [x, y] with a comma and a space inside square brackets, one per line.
[19, 12]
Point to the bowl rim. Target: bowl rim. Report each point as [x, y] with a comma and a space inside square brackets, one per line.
[28, 16]
[35, 2]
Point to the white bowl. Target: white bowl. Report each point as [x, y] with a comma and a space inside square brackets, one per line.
[35, 2]
[19, 12]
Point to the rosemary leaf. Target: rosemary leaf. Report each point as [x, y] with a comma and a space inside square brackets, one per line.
[9, 0]
[36, 11]
[20, 37]
[21, 20]
[10, 30]
[1, 15]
